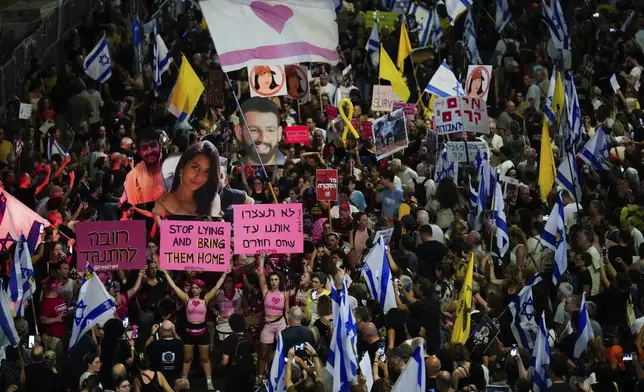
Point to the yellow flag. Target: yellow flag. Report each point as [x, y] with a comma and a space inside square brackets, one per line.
[461, 330]
[388, 71]
[546, 163]
[558, 97]
[404, 48]
[186, 92]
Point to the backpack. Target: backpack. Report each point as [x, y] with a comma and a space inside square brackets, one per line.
[420, 193]
[242, 363]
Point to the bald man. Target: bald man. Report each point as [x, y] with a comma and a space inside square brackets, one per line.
[182, 385]
[444, 382]
[166, 351]
[296, 335]
[433, 365]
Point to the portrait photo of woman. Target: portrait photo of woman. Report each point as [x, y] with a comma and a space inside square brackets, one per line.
[476, 87]
[264, 81]
[195, 184]
[294, 83]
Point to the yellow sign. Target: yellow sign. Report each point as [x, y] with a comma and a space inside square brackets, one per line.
[384, 19]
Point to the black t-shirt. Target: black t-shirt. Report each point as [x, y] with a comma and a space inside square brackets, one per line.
[167, 357]
[428, 312]
[39, 377]
[583, 279]
[396, 320]
[561, 387]
[430, 254]
[27, 196]
[623, 252]
[297, 335]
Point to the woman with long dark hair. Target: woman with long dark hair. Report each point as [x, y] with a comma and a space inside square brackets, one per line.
[195, 184]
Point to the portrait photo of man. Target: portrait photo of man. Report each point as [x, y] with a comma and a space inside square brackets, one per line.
[261, 134]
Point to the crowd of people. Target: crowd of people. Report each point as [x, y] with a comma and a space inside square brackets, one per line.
[218, 331]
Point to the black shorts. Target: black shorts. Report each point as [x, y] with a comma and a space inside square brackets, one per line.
[195, 335]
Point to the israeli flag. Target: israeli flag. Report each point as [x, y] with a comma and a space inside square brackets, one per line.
[9, 335]
[502, 15]
[341, 360]
[423, 18]
[373, 45]
[413, 378]
[54, 148]
[502, 237]
[444, 83]
[595, 151]
[481, 195]
[95, 306]
[377, 274]
[554, 238]
[435, 29]
[524, 324]
[553, 17]
[548, 110]
[338, 6]
[567, 176]
[455, 8]
[22, 282]
[162, 60]
[276, 377]
[98, 63]
[445, 168]
[574, 121]
[474, 196]
[541, 358]
[469, 38]
[584, 330]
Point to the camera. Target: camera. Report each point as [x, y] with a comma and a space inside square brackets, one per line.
[301, 346]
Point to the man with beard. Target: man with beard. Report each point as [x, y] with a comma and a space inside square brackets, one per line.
[261, 131]
[144, 184]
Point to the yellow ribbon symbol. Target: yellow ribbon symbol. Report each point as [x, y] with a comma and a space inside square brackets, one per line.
[347, 120]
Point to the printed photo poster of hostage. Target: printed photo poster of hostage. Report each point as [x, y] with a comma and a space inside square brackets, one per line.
[267, 80]
[268, 228]
[390, 134]
[113, 245]
[297, 82]
[479, 79]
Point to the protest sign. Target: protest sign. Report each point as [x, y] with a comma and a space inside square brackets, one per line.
[331, 112]
[195, 246]
[390, 134]
[24, 112]
[215, 89]
[268, 228]
[297, 82]
[477, 84]
[460, 114]
[385, 234]
[481, 338]
[464, 151]
[408, 108]
[297, 134]
[383, 99]
[327, 184]
[267, 80]
[367, 129]
[112, 245]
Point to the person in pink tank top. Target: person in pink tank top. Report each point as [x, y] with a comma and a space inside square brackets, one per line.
[196, 333]
[275, 312]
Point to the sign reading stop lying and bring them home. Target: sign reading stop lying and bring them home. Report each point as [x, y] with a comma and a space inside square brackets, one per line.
[268, 228]
[460, 114]
[195, 246]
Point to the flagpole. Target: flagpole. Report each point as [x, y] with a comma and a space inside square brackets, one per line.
[33, 312]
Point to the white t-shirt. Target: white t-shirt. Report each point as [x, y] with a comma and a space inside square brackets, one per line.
[406, 175]
[595, 270]
[638, 238]
[570, 215]
[636, 72]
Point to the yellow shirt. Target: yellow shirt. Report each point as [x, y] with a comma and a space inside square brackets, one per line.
[6, 148]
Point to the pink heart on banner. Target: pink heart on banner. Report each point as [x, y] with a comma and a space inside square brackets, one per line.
[195, 302]
[275, 16]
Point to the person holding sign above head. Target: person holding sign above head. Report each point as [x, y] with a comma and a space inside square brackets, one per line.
[196, 333]
[195, 185]
[261, 133]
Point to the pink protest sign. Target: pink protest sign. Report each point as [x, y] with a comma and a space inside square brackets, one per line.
[367, 129]
[408, 108]
[111, 245]
[195, 246]
[331, 112]
[268, 228]
[297, 134]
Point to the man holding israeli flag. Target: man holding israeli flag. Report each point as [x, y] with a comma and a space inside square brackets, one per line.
[541, 358]
[554, 238]
[584, 330]
[22, 282]
[595, 151]
[342, 363]
[98, 63]
[413, 378]
[95, 306]
[377, 273]
[524, 324]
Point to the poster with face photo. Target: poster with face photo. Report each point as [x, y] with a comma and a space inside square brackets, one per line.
[267, 80]
[297, 82]
[389, 134]
[477, 84]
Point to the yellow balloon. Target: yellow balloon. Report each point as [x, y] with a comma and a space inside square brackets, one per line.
[347, 120]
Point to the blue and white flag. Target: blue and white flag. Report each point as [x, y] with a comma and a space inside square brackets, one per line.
[574, 120]
[377, 273]
[8, 334]
[98, 63]
[553, 17]
[54, 148]
[502, 237]
[548, 111]
[338, 6]
[444, 83]
[22, 282]
[95, 306]
[474, 195]
[567, 175]
[373, 45]
[524, 323]
[502, 15]
[445, 168]
[627, 22]
[456, 8]
[162, 60]
[554, 238]
[469, 38]
[435, 29]
[423, 18]
[276, 377]
[16, 219]
[595, 151]
[584, 330]
[414, 377]
[342, 363]
[541, 358]
[136, 32]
